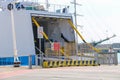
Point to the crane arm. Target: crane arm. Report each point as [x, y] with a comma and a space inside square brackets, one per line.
[96, 43]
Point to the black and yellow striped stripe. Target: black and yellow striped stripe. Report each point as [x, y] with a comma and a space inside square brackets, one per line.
[65, 63]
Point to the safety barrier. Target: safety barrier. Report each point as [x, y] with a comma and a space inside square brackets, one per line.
[53, 64]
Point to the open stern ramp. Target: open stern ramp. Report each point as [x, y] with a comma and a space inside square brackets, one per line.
[55, 29]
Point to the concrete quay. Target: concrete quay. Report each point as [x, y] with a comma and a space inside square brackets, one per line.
[103, 72]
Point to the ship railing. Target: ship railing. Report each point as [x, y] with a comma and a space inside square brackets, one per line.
[38, 6]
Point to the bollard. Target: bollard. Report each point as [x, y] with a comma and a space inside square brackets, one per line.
[30, 61]
[36, 60]
[41, 60]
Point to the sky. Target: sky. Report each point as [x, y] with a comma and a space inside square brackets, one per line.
[100, 19]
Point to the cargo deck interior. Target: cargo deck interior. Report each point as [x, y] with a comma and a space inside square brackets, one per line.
[57, 30]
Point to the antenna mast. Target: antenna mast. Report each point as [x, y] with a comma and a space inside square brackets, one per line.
[75, 20]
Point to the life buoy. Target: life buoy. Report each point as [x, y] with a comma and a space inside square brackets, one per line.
[10, 6]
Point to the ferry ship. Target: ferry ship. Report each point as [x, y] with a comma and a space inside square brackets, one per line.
[37, 30]
[27, 25]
